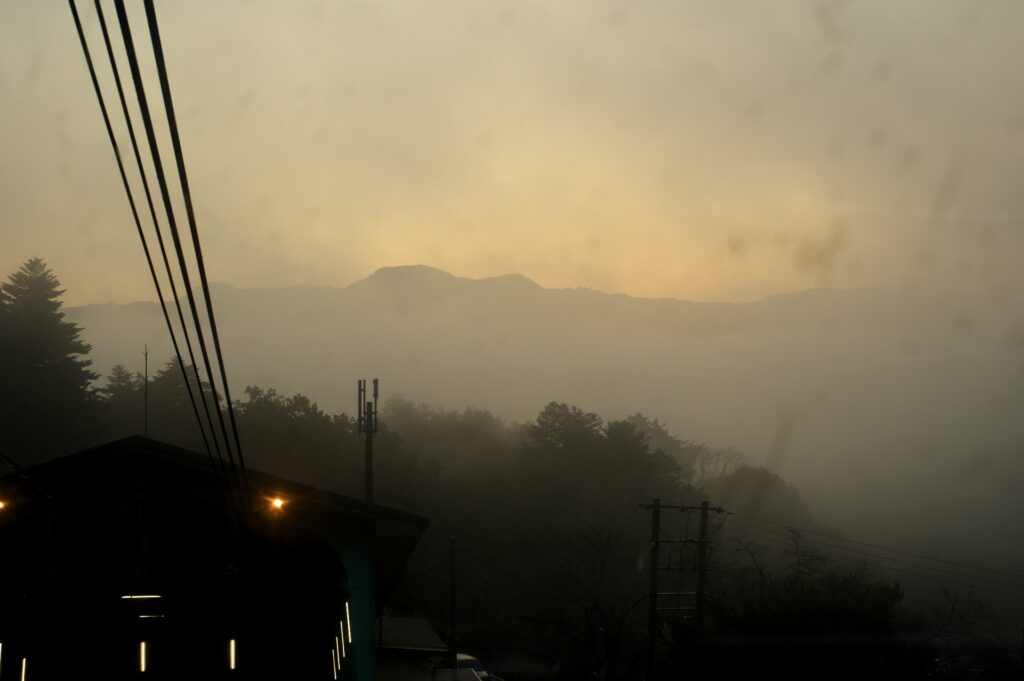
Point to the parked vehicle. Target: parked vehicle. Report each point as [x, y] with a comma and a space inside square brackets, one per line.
[469, 669]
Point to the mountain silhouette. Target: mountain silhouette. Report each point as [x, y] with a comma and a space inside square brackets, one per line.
[871, 380]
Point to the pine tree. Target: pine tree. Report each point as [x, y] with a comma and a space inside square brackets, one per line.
[123, 403]
[170, 410]
[47, 404]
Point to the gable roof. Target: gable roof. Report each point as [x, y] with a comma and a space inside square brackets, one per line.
[139, 466]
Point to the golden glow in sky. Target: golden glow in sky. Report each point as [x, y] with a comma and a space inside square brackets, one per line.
[695, 149]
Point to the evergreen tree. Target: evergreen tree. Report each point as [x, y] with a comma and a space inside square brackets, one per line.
[123, 403]
[171, 417]
[48, 403]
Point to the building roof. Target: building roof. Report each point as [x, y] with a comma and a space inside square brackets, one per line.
[135, 467]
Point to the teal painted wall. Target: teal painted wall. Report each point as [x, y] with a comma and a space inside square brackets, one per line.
[358, 560]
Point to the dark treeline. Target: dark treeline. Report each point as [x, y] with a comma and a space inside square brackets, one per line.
[551, 544]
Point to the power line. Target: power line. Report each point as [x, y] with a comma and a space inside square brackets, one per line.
[876, 546]
[179, 251]
[165, 87]
[815, 542]
[894, 569]
[135, 214]
[888, 567]
[717, 532]
[152, 210]
[165, 195]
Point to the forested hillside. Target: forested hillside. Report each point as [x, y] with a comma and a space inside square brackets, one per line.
[551, 542]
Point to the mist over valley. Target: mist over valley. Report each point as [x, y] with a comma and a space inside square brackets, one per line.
[855, 396]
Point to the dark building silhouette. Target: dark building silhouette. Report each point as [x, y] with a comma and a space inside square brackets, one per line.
[127, 560]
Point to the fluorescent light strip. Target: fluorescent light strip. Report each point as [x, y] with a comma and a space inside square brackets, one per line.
[337, 652]
[334, 664]
[134, 596]
[231, 653]
[24, 666]
[347, 624]
[142, 656]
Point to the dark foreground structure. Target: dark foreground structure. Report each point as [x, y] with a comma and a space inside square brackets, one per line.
[127, 561]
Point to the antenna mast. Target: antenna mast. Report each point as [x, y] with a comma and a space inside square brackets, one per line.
[366, 411]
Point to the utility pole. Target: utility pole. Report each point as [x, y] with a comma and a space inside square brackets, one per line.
[452, 635]
[702, 543]
[367, 425]
[702, 567]
[652, 614]
[145, 390]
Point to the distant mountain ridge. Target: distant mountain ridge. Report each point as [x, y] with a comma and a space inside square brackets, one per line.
[870, 379]
[418, 295]
[421, 277]
[417, 289]
[425, 285]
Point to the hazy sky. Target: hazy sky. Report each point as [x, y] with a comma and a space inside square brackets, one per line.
[684, 148]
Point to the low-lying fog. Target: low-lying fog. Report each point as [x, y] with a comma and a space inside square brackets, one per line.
[896, 414]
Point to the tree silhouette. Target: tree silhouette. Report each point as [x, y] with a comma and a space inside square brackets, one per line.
[48, 407]
[123, 399]
[171, 417]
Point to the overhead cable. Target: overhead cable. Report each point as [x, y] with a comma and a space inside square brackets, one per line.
[877, 546]
[815, 543]
[165, 195]
[135, 213]
[165, 87]
[889, 567]
[138, 225]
